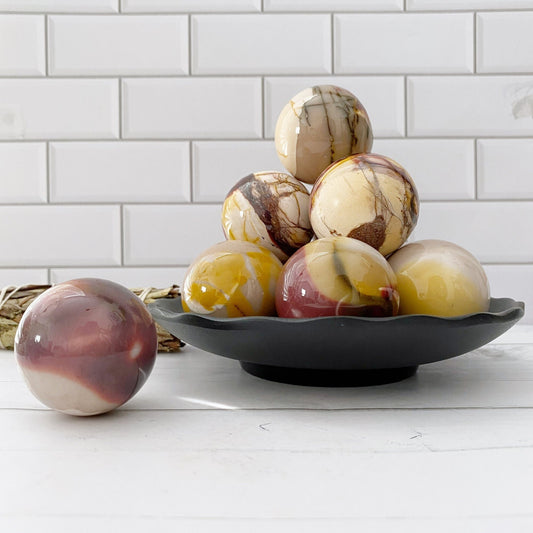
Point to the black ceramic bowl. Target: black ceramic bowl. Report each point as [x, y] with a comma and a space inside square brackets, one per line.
[337, 351]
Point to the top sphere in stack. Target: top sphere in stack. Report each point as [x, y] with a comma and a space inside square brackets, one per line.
[319, 126]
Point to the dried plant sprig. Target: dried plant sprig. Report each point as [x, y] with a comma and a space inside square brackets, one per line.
[15, 300]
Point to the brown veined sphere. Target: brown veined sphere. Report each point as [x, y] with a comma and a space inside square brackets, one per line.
[439, 278]
[336, 276]
[270, 209]
[368, 197]
[86, 346]
[319, 126]
[232, 279]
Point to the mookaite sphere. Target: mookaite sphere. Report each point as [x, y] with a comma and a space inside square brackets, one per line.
[270, 209]
[336, 276]
[439, 278]
[368, 197]
[86, 346]
[319, 126]
[232, 279]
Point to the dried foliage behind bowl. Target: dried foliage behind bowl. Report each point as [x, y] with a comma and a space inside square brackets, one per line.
[15, 300]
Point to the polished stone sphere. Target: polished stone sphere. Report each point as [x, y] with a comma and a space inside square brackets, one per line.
[270, 209]
[319, 126]
[368, 197]
[336, 276]
[86, 346]
[439, 278]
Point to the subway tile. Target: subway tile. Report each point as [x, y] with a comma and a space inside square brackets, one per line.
[189, 6]
[60, 6]
[450, 5]
[122, 45]
[57, 109]
[192, 108]
[131, 277]
[505, 42]
[470, 106]
[23, 172]
[513, 281]
[133, 171]
[22, 45]
[505, 169]
[333, 5]
[443, 169]
[495, 232]
[60, 235]
[218, 165]
[404, 43]
[382, 97]
[261, 44]
[23, 276]
[164, 235]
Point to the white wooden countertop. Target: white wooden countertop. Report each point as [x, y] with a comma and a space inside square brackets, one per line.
[206, 447]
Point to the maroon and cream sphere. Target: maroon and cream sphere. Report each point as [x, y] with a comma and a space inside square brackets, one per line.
[319, 126]
[86, 346]
[336, 276]
[368, 197]
[270, 209]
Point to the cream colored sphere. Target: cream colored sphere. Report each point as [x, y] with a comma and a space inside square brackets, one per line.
[368, 197]
[319, 126]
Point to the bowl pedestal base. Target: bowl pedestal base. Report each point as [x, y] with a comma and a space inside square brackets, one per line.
[329, 378]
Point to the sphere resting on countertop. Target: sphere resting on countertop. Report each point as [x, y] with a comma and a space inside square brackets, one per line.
[368, 197]
[270, 209]
[336, 276]
[319, 126]
[86, 346]
[232, 279]
[439, 278]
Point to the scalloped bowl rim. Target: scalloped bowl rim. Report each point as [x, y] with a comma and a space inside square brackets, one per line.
[512, 306]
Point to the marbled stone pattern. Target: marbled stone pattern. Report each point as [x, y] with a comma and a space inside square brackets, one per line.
[336, 276]
[439, 278]
[367, 197]
[232, 279]
[319, 126]
[270, 209]
[86, 346]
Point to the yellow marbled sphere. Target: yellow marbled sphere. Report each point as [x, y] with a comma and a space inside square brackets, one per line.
[368, 197]
[439, 278]
[318, 126]
[232, 279]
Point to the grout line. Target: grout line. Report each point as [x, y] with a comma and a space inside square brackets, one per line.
[332, 42]
[46, 46]
[120, 6]
[161, 266]
[405, 106]
[47, 160]
[288, 12]
[191, 174]
[276, 75]
[444, 137]
[120, 111]
[263, 104]
[405, 5]
[178, 204]
[262, 6]
[476, 195]
[475, 42]
[189, 44]
[122, 236]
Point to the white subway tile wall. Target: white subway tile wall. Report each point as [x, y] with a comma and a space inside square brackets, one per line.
[123, 123]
